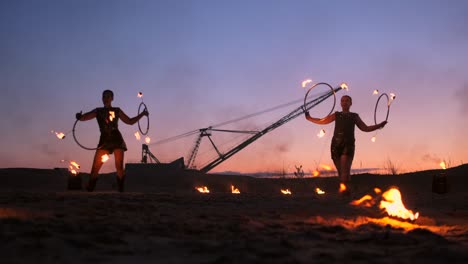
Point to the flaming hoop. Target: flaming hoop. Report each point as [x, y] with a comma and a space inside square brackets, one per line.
[315, 85]
[389, 100]
[76, 140]
[140, 109]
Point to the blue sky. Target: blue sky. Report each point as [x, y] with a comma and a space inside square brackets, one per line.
[200, 63]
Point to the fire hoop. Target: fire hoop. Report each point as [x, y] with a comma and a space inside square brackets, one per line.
[76, 140]
[332, 91]
[147, 119]
[377, 104]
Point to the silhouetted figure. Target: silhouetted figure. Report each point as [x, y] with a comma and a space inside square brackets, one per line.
[111, 140]
[342, 145]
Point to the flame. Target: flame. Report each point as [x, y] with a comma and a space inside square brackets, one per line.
[304, 83]
[104, 158]
[443, 165]
[316, 173]
[147, 140]
[375, 91]
[344, 86]
[394, 205]
[111, 115]
[72, 170]
[366, 201]
[287, 191]
[137, 135]
[234, 190]
[60, 135]
[321, 133]
[74, 164]
[203, 189]
[326, 167]
[319, 191]
[390, 201]
[374, 138]
[140, 94]
[342, 187]
[392, 97]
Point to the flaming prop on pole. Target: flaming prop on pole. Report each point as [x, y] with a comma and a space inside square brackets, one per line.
[141, 108]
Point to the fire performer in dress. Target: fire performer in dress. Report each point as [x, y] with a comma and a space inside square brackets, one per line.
[342, 145]
[111, 140]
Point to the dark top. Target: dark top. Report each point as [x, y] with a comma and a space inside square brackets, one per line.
[110, 138]
[343, 136]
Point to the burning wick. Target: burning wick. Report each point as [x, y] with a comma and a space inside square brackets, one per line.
[203, 189]
[321, 133]
[234, 190]
[104, 158]
[137, 135]
[319, 191]
[374, 138]
[140, 95]
[344, 86]
[392, 97]
[147, 140]
[304, 83]
[376, 91]
[60, 135]
[287, 191]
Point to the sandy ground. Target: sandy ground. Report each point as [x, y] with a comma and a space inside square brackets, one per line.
[162, 219]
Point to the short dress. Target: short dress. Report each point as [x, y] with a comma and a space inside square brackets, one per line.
[110, 138]
[343, 136]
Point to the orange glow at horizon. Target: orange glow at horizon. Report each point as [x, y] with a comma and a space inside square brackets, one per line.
[326, 167]
[443, 165]
[316, 173]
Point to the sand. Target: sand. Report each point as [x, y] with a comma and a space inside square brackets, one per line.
[163, 219]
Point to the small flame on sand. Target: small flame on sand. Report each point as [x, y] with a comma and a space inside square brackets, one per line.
[147, 140]
[104, 158]
[137, 135]
[316, 173]
[287, 191]
[140, 95]
[344, 86]
[111, 115]
[375, 91]
[321, 133]
[304, 83]
[319, 191]
[234, 190]
[443, 165]
[394, 205]
[202, 189]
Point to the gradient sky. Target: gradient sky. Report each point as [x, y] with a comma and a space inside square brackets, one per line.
[200, 63]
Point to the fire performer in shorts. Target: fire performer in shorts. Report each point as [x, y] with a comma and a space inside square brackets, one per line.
[111, 140]
[342, 145]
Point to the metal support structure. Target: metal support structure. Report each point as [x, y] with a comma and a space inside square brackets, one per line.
[145, 152]
[297, 112]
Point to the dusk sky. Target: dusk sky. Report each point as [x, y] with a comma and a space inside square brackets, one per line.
[200, 63]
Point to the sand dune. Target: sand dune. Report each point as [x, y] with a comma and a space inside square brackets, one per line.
[163, 219]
